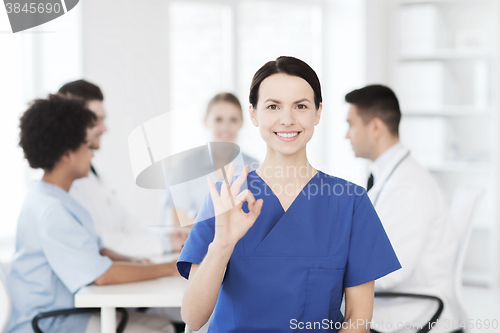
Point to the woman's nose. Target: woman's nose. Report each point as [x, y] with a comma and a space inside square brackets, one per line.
[286, 118]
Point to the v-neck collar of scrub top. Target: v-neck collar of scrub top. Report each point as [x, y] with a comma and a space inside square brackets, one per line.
[295, 199]
[277, 222]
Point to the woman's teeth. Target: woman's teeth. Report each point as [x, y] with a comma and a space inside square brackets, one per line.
[287, 135]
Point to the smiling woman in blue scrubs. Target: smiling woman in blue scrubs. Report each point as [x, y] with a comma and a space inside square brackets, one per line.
[280, 254]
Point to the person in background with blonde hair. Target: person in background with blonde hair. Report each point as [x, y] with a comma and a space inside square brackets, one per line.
[224, 119]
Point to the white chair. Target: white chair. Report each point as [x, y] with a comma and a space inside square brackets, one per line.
[463, 206]
[5, 305]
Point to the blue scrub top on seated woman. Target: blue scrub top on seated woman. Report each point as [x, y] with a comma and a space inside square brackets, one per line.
[57, 253]
[292, 267]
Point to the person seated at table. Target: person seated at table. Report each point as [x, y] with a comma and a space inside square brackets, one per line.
[57, 249]
[117, 228]
[224, 119]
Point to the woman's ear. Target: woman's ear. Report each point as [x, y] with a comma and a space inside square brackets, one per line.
[253, 116]
[65, 158]
[318, 114]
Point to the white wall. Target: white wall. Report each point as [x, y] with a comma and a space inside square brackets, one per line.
[125, 52]
[344, 71]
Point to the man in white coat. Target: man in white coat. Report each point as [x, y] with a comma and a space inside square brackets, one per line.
[118, 230]
[413, 213]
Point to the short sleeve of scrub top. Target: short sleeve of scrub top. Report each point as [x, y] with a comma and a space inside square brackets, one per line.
[294, 264]
[195, 251]
[371, 255]
[70, 252]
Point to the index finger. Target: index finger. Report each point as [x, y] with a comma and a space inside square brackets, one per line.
[214, 194]
[236, 186]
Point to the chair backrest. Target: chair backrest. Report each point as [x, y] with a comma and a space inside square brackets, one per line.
[463, 206]
[5, 305]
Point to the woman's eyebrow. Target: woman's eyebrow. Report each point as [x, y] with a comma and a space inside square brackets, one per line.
[278, 102]
[302, 100]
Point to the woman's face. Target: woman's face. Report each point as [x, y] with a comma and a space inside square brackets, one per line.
[224, 120]
[285, 114]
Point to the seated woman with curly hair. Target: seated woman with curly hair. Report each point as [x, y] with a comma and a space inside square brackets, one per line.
[57, 249]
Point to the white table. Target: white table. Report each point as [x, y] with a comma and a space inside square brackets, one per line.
[163, 292]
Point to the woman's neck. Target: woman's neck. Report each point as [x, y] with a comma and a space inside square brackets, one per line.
[284, 168]
[58, 178]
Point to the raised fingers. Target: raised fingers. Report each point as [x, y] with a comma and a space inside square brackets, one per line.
[214, 194]
[236, 186]
[226, 184]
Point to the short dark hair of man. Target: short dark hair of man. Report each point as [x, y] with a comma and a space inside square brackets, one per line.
[83, 89]
[52, 127]
[377, 101]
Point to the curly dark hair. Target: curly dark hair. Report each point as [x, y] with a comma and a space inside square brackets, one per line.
[51, 127]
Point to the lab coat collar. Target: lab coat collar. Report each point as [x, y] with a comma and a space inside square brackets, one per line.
[93, 175]
[383, 165]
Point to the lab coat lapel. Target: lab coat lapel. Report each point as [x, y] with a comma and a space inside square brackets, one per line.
[381, 176]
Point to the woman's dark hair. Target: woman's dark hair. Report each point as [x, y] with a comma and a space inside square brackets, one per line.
[289, 66]
[52, 127]
[83, 89]
[377, 101]
[224, 97]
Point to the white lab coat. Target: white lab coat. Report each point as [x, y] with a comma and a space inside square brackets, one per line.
[119, 231]
[416, 219]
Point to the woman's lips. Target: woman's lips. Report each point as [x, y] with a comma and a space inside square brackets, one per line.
[287, 137]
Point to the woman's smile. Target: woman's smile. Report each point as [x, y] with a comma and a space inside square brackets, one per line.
[287, 136]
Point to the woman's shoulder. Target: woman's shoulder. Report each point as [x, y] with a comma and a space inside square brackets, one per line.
[337, 180]
[341, 188]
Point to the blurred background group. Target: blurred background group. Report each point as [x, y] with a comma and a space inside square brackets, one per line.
[150, 57]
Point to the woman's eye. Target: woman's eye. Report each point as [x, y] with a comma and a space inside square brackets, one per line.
[272, 107]
[301, 107]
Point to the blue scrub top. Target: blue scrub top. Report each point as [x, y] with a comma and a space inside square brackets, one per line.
[293, 266]
[57, 253]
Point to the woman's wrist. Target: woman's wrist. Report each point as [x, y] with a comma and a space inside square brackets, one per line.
[220, 248]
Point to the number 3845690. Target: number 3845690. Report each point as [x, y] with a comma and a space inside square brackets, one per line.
[32, 8]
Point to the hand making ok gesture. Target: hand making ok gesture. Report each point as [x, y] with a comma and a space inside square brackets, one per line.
[231, 222]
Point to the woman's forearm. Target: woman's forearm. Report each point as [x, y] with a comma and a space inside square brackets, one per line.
[125, 272]
[356, 324]
[231, 224]
[204, 285]
[114, 255]
[358, 308]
